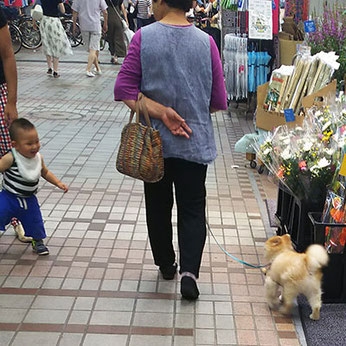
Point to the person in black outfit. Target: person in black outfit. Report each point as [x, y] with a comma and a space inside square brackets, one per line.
[115, 33]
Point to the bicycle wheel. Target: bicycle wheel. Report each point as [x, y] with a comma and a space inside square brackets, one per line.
[75, 40]
[15, 38]
[31, 38]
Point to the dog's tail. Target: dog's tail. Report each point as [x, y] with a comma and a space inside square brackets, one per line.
[317, 257]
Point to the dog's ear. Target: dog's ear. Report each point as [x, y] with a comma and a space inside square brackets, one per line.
[275, 241]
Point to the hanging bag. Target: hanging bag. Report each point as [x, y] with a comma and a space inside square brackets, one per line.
[128, 34]
[37, 12]
[140, 152]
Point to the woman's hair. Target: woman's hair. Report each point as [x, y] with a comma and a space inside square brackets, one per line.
[17, 124]
[184, 5]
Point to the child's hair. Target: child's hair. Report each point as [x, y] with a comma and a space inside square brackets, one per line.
[17, 124]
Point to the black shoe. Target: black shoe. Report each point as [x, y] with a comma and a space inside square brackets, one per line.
[56, 74]
[49, 72]
[39, 248]
[168, 272]
[188, 288]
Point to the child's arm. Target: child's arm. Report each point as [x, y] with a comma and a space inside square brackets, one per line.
[6, 162]
[51, 178]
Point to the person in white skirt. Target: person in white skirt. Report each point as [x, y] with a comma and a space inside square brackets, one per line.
[54, 39]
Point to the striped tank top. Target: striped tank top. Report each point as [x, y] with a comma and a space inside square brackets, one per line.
[13, 182]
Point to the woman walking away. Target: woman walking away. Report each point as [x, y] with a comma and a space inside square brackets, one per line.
[115, 33]
[54, 40]
[160, 58]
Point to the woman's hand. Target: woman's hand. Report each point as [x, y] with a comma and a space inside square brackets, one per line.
[10, 113]
[175, 123]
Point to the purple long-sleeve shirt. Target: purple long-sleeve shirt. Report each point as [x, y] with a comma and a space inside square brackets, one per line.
[127, 85]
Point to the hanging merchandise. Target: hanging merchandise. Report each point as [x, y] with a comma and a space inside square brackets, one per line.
[258, 67]
[298, 9]
[252, 63]
[261, 19]
[16, 3]
[236, 66]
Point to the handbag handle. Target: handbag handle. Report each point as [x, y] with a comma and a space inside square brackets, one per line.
[141, 100]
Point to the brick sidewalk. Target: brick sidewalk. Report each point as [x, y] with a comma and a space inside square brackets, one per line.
[99, 284]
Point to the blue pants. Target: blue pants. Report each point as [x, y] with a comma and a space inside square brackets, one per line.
[26, 209]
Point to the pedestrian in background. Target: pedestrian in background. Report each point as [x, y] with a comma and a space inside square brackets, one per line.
[89, 13]
[115, 33]
[168, 61]
[55, 43]
[8, 101]
[131, 13]
[144, 12]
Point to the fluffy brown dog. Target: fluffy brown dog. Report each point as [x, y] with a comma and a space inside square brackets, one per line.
[297, 273]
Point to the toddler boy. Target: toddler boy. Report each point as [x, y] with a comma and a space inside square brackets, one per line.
[22, 168]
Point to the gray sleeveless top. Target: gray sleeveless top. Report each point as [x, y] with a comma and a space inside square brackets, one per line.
[177, 72]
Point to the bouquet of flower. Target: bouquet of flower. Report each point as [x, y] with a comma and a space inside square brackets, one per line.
[305, 158]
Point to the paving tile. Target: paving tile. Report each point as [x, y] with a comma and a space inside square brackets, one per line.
[12, 315]
[79, 317]
[149, 319]
[246, 337]
[115, 304]
[5, 337]
[35, 338]
[184, 320]
[14, 300]
[56, 303]
[152, 340]
[183, 341]
[46, 316]
[226, 337]
[205, 336]
[105, 340]
[224, 322]
[111, 318]
[154, 305]
[70, 339]
[84, 303]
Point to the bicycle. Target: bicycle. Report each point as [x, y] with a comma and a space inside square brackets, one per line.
[16, 37]
[74, 39]
[31, 37]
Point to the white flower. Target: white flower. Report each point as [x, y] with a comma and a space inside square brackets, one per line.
[307, 146]
[330, 151]
[326, 125]
[286, 140]
[267, 151]
[286, 155]
[323, 163]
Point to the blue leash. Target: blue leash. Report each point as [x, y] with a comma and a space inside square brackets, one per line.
[229, 255]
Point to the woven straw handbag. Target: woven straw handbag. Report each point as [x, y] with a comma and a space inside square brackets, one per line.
[140, 152]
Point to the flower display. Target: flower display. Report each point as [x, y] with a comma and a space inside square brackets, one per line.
[305, 159]
[330, 35]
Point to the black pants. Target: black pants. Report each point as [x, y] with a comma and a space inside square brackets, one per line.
[189, 182]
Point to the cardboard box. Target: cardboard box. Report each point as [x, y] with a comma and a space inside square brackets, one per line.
[288, 50]
[269, 120]
[317, 98]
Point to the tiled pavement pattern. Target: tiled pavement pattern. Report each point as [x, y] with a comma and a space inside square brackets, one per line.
[99, 285]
